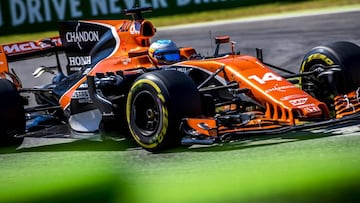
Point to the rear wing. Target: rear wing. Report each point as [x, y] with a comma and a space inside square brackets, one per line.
[22, 51]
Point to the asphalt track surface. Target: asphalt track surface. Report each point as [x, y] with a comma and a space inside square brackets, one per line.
[284, 42]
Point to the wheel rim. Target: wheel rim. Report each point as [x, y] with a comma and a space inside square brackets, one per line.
[146, 113]
[311, 85]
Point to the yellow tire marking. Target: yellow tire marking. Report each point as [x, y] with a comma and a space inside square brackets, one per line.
[160, 137]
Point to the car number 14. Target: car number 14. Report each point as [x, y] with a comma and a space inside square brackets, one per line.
[267, 77]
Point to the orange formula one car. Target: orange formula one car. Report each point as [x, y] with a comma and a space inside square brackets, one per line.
[117, 84]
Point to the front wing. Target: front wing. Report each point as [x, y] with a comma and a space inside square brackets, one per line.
[219, 133]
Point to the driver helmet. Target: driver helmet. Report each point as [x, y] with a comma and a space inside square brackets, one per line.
[164, 52]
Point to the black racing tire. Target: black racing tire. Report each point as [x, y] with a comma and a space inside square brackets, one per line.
[156, 104]
[12, 114]
[344, 54]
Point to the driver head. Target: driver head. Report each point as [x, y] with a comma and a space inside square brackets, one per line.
[164, 52]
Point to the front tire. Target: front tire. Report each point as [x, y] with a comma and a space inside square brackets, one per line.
[156, 103]
[12, 115]
[329, 81]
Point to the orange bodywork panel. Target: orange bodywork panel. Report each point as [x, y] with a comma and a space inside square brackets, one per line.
[111, 64]
[4, 69]
[187, 52]
[3, 61]
[204, 126]
[282, 100]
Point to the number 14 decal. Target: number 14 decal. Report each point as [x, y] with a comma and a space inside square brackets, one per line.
[267, 77]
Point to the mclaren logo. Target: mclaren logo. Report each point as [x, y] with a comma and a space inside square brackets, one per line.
[21, 47]
[81, 36]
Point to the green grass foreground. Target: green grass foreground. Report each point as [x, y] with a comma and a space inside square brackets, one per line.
[206, 16]
[275, 170]
[60, 173]
[299, 167]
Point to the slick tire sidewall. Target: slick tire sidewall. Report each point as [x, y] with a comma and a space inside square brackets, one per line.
[12, 115]
[175, 96]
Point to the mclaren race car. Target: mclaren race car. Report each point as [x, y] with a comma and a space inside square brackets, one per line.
[113, 87]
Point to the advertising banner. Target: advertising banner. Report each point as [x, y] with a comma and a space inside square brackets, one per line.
[24, 16]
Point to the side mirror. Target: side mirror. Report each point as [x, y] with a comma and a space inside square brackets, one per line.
[222, 39]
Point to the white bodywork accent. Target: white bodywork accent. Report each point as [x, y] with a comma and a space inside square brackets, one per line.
[86, 121]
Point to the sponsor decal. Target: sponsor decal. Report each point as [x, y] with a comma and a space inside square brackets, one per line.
[312, 109]
[126, 61]
[27, 46]
[83, 36]
[295, 96]
[182, 69]
[297, 102]
[75, 68]
[79, 60]
[80, 37]
[280, 89]
[21, 47]
[83, 96]
[135, 28]
[307, 106]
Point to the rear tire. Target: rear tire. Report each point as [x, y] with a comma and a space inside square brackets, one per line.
[12, 114]
[156, 103]
[326, 83]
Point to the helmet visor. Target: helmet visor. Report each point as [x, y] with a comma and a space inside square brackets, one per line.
[168, 55]
[172, 57]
